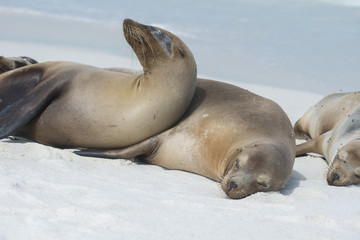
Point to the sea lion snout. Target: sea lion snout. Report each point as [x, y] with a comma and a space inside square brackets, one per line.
[242, 185]
[338, 177]
[233, 185]
[333, 178]
[342, 173]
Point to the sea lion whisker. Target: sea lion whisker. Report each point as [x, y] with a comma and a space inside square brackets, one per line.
[330, 167]
[346, 182]
[147, 41]
[138, 35]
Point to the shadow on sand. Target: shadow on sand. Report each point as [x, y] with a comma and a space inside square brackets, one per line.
[293, 183]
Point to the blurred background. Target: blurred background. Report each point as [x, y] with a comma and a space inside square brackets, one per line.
[307, 45]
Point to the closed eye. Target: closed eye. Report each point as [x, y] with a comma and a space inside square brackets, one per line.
[337, 157]
[181, 52]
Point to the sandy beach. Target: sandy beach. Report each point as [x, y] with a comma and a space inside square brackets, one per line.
[50, 193]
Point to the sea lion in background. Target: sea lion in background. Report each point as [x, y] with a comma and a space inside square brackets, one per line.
[7, 64]
[228, 134]
[333, 125]
[66, 104]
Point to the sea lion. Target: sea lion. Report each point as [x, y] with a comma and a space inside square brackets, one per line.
[9, 63]
[333, 125]
[227, 134]
[65, 104]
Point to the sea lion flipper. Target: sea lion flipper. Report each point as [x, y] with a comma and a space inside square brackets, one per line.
[304, 148]
[313, 145]
[147, 147]
[23, 96]
[111, 154]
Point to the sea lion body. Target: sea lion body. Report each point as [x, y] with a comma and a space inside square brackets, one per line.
[65, 104]
[227, 134]
[333, 125]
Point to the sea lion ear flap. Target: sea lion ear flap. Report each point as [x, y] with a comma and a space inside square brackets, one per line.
[357, 172]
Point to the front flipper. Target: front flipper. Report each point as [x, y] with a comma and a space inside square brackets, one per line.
[111, 154]
[313, 146]
[144, 148]
[23, 95]
[304, 148]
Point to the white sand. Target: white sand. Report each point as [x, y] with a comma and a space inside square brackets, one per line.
[48, 193]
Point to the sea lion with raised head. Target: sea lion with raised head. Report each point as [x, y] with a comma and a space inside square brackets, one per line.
[65, 104]
[333, 125]
[10, 63]
[228, 134]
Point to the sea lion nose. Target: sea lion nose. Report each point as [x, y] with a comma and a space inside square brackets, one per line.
[335, 177]
[233, 185]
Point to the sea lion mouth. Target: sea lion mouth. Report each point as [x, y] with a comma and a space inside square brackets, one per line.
[235, 193]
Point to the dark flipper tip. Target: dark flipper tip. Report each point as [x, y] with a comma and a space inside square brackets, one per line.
[95, 154]
[302, 155]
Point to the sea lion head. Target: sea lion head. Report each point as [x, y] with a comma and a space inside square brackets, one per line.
[157, 47]
[345, 168]
[257, 168]
[10, 63]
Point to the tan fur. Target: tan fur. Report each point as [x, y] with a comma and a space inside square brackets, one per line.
[334, 126]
